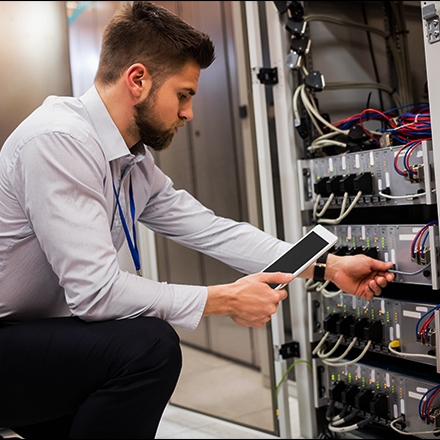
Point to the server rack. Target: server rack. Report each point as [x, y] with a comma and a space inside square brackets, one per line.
[367, 169]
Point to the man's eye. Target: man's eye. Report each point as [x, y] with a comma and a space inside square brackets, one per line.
[182, 96]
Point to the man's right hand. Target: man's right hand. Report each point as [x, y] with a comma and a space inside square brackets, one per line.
[249, 301]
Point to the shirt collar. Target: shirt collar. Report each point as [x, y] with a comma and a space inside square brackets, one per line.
[111, 139]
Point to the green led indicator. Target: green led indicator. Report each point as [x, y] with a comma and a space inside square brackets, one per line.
[388, 317]
[350, 377]
[377, 386]
[333, 377]
[363, 382]
[368, 242]
[383, 242]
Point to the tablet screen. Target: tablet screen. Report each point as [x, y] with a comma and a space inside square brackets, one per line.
[299, 254]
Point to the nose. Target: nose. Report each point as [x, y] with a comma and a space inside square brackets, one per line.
[186, 113]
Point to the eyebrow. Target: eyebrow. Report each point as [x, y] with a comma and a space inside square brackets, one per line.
[190, 91]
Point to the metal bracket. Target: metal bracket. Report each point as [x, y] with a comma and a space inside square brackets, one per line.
[429, 14]
[437, 327]
[268, 76]
[289, 350]
[433, 245]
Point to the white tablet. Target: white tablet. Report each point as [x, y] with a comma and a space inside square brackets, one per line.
[303, 253]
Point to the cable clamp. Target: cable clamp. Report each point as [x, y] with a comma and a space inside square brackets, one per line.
[289, 350]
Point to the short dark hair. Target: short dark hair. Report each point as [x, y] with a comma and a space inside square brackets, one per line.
[143, 32]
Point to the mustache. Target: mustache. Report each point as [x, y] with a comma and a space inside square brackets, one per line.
[182, 123]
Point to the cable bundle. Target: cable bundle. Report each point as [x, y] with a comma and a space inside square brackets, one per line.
[426, 402]
[418, 244]
[422, 331]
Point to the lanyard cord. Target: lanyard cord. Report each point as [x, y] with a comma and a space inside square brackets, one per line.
[132, 244]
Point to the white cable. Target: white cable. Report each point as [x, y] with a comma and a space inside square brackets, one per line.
[392, 426]
[328, 294]
[351, 427]
[321, 342]
[413, 355]
[408, 196]
[353, 24]
[322, 289]
[322, 139]
[326, 206]
[358, 85]
[342, 356]
[354, 361]
[314, 113]
[311, 284]
[326, 143]
[323, 355]
[341, 217]
[340, 421]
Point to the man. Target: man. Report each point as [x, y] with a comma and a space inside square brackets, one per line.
[87, 350]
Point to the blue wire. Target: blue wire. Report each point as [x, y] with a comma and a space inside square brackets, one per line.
[421, 319]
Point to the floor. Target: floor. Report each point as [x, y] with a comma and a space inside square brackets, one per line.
[219, 399]
[180, 423]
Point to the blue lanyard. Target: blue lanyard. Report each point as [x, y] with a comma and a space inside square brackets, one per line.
[132, 244]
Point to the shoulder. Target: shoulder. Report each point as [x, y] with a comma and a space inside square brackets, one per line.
[58, 128]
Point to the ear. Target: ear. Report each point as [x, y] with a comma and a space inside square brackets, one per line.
[138, 80]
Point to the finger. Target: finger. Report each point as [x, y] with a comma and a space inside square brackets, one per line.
[390, 277]
[375, 288]
[276, 277]
[381, 281]
[366, 294]
[282, 294]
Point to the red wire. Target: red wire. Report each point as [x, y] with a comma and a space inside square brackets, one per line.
[396, 161]
[430, 400]
[408, 166]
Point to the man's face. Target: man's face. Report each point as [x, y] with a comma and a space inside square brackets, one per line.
[167, 108]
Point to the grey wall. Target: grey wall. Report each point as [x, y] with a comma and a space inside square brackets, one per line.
[34, 54]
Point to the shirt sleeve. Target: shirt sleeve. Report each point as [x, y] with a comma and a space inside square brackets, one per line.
[177, 215]
[61, 193]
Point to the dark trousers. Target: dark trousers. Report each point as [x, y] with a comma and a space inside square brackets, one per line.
[66, 378]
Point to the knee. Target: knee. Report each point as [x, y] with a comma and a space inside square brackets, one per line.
[161, 345]
[168, 343]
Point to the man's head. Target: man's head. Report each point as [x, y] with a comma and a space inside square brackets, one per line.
[155, 37]
[149, 70]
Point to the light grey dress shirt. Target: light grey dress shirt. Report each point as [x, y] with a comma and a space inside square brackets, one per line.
[60, 229]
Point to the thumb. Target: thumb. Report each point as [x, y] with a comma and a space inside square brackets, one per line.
[276, 277]
[381, 265]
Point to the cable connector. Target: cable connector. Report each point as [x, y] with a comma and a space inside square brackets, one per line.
[293, 60]
[296, 10]
[281, 7]
[296, 28]
[290, 350]
[314, 80]
[300, 45]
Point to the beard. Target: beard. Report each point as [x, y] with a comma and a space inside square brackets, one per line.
[151, 130]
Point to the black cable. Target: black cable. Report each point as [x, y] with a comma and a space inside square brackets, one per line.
[330, 409]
